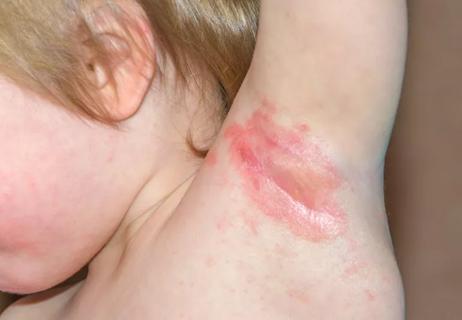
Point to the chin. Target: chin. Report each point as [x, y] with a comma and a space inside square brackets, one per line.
[19, 288]
[25, 282]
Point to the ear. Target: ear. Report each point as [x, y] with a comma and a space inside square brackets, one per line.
[120, 56]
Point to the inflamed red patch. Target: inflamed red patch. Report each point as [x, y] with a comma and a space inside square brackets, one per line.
[287, 174]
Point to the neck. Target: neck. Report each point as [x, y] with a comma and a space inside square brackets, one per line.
[160, 194]
[153, 206]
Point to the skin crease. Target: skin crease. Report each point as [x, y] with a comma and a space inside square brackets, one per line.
[55, 216]
[69, 185]
[166, 257]
[55, 185]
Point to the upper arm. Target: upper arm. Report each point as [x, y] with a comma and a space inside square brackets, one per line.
[305, 141]
[275, 226]
[338, 64]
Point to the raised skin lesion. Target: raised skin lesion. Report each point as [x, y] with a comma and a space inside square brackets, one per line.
[287, 174]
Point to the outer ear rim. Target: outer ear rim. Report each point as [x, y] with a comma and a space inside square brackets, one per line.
[125, 37]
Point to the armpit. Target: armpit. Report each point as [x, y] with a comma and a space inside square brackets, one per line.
[287, 175]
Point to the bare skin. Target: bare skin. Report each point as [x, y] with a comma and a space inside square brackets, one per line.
[423, 176]
[214, 247]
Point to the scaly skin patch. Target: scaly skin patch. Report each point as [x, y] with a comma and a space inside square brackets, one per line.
[287, 174]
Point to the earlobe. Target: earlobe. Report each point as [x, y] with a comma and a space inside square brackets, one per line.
[121, 58]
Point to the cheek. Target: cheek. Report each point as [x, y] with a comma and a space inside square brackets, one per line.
[54, 211]
[35, 211]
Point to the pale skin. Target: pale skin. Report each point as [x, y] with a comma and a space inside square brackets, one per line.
[171, 237]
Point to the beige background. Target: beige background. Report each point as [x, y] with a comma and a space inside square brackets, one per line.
[424, 167]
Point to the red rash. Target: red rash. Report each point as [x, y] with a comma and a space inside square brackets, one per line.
[287, 175]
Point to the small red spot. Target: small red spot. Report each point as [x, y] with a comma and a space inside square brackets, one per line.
[110, 158]
[370, 295]
[251, 222]
[354, 268]
[250, 279]
[304, 128]
[298, 295]
[224, 223]
[210, 261]
[354, 262]
[283, 251]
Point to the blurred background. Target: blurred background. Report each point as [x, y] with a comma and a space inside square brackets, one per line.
[423, 178]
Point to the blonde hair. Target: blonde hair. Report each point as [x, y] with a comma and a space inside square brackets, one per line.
[38, 45]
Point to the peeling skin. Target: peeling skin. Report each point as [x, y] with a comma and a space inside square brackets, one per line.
[287, 174]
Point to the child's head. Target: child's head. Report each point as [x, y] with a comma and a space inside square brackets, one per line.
[91, 96]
